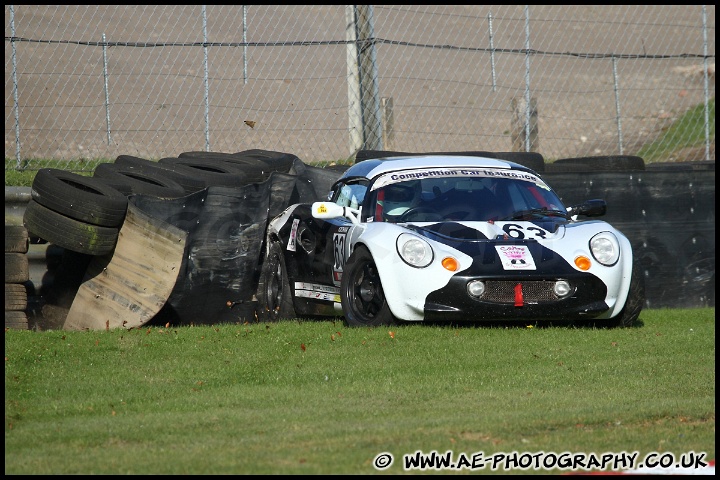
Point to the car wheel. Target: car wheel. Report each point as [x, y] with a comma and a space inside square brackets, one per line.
[363, 299]
[273, 294]
[635, 300]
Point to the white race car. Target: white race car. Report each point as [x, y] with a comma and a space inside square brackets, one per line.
[447, 238]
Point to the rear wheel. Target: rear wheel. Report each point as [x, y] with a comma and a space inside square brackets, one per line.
[363, 299]
[274, 297]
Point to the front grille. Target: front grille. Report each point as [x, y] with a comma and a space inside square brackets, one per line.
[503, 291]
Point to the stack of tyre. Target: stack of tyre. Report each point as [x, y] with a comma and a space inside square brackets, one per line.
[84, 214]
[17, 275]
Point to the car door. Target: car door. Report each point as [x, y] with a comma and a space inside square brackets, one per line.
[320, 249]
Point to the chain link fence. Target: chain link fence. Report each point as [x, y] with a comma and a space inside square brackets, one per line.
[88, 83]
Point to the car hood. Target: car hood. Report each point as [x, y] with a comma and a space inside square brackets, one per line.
[445, 232]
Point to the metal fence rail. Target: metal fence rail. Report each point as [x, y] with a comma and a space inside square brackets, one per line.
[92, 82]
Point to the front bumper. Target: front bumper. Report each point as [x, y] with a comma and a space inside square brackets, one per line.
[503, 303]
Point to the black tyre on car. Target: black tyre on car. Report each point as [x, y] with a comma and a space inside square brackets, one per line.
[273, 293]
[361, 291]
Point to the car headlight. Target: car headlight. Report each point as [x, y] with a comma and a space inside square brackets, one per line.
[414, 251]
[605, 248]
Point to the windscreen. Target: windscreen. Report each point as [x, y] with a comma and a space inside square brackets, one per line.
[461, 194]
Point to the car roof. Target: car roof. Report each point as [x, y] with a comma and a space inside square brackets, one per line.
[375, 167]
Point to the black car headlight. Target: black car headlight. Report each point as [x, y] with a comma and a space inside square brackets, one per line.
[414, 251]
[605, 248]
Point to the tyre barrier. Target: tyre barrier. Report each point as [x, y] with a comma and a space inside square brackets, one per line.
[189, 183]
[79, 197]
[144, 181]
[67, 232]
[257, 165]
[17, 275]
[213, 170]
[602, 163]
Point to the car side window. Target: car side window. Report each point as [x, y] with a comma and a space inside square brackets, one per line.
[351, 195]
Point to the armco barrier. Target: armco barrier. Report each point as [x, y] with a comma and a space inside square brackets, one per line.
[667, 213]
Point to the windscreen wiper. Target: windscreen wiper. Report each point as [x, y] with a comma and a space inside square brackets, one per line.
[535, 212]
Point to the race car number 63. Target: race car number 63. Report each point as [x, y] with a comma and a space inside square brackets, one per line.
[516, 231]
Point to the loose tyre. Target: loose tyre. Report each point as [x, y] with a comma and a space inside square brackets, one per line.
[67, 232]
[16, 239]
[189, 183]
[76, 196]
[16, 268]
[277, 161]
[363, 299]
[273, 294]
[213, 172]
[15, 297]
[253, 169]
[16, 320]
[140, 181]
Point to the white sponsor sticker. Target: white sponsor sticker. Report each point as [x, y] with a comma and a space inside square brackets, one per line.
[293, 235]
[316, 287]
[317, 291]
[515, 257]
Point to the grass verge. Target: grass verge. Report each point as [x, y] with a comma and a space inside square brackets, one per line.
[316, 397]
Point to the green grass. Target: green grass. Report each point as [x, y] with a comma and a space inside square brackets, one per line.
[24, 176]
[316, 397]
[686, 132]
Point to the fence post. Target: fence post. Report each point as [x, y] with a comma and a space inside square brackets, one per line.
[388, 131]
[107, 92]
[519, 123]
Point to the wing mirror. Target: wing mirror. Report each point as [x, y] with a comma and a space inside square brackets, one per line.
[589, 208]
[325, 210]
